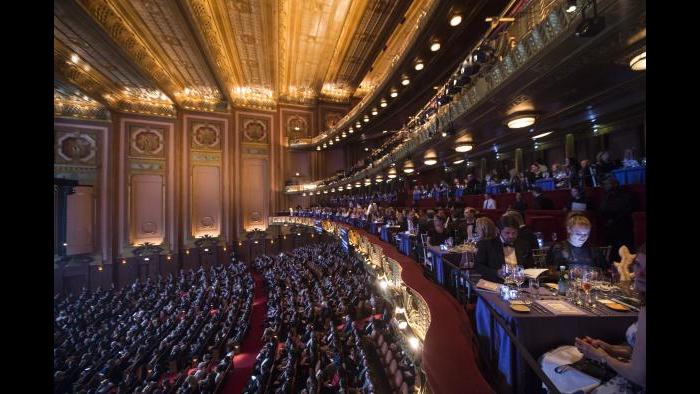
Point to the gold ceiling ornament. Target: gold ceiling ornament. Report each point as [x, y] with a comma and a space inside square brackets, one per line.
[108, 17]
[74, 105]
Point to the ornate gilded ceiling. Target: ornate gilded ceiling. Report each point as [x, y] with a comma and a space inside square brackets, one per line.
[158, 56]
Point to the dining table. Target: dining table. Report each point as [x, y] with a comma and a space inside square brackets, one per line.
[456, 254]
[551, 321]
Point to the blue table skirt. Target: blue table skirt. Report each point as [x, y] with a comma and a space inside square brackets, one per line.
[384, 233]
[495, 189]
[546, 184]
[632, 175]
[405, 244]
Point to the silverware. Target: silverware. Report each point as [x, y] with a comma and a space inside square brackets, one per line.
[634, 308]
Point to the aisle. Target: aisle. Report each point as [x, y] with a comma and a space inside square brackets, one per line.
[243, 362]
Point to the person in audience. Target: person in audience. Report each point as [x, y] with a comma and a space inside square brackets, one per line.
[484, 228]
[540, 201]
[468, 224]
[615, 211]
[472, 185]
[524, 233]
[628, 360]
[577, 201]
[589, 177]
[519, 205]
[604, 164]
[489, 202]
[575, 250]
[574, 169]
[629, 161]
[438, 234]
[492, 254]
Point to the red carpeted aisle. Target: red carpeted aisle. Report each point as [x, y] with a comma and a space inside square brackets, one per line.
[243, 361]
[449, 358]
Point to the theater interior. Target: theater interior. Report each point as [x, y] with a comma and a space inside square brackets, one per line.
[349, 196]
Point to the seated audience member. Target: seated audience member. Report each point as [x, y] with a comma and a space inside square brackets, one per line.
[574, 249]
[484, 228]
[629, 359]
[519, 205]
[574, 171]
[468, 224]
[604, 164]
[540, 201]
[629, 161]
[492, 254]
[524, 232]
[438, 234]
[489, 202]
[577, 202]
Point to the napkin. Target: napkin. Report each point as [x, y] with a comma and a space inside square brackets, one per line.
[572, 380]
[534, 272]
[561, 307]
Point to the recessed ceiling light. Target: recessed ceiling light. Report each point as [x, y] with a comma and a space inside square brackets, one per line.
[542, 135]
[435, 46]
[408, 170]
[405, 81]
[419, 65]
[394, 93]
[455, 20]
[571, 7]
[318, 147]
[337, 138]
[639, 62]
[74, 58]
[330, 142]
[375, 112]
[430, 162]
[385, 131]
[366, 149]
[382, 103]
[296, 174]
[460, 161]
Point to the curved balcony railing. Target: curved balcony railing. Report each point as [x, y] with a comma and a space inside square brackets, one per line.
[536, 27]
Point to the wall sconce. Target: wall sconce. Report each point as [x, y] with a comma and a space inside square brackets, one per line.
[123, 261]
[146, 259]
[99, 268]
[168, 258]
[187, 251]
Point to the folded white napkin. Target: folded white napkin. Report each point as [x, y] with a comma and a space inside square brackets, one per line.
[571, 380]
[487, 285]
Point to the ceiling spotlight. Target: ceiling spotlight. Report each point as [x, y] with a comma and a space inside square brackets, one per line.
[394, 93]
[391, 174]
[303, 194]
[343, 135]
[435, 46]
[74, 58]
[366, 119]
[382, 103]
[296, 174]
[542, 135]
[366, 149]
[349, 186]
[385, 131]
[404, 81]
[460, 161]
[340, 189]
[519, 121]
[358, 124]
[351, 130]
[325, 145]
[330, 142]
[455, 20]
[639, 62]
[337, 138]
[408, 168]
[430, 162]
[375, 112]
[419, 65]
[461, 148]
[571, 6]
[318, 147]
[325, 192]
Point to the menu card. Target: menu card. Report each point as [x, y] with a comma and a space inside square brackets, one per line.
[486, 285]
[560, 307]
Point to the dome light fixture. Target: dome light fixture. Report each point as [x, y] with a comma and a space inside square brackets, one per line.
[318, 147]
[405, 81]
[330, 142]
[419, 65]
[358, 124]
[394, 93]
[430, 161]
[382, 103]
[337, 138]
[435, 46]
[408, 167]
[639, 62]
[455, 20]
[571, 6]
[375, 111]
[343, 135]
[460, 161]
[325, 145]
[461, 148]
[366, 119]
[349, 186]
[521, 120]
[350, 130]
[391, 174]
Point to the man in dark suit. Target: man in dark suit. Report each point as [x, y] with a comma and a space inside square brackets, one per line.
[506, 248]
[540, 201]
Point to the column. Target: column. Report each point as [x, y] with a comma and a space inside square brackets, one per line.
[569, 147]
[518, 160]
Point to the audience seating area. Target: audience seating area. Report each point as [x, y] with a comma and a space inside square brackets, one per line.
[321, 331]
[169, 335]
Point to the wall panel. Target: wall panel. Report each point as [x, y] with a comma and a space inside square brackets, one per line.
[255, 193]
[206, 201]
[147, 209]
[79, 221]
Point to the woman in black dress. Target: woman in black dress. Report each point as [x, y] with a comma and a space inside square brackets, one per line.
[575, 250]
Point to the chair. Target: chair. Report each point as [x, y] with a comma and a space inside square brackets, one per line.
[539, 257]
[605, 251]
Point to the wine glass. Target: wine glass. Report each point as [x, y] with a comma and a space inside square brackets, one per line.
[587, 279]
[540, 239]
[518, 275]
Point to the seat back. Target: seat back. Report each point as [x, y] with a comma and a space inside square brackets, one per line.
[427, 256]
[393, 366]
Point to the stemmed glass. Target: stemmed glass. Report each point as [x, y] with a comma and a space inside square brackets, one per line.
[587, 279]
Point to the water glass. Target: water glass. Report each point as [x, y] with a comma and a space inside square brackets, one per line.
[534, 285]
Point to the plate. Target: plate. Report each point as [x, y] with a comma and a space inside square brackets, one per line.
[519, 308]
[616, 307]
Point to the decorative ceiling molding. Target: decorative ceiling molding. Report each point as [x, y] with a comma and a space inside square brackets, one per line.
[70, 102]
[107, 15]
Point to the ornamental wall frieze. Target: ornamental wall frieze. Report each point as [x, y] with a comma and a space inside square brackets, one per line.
[146, 141]
[206, 157]
[76, 147]
[157, 166]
